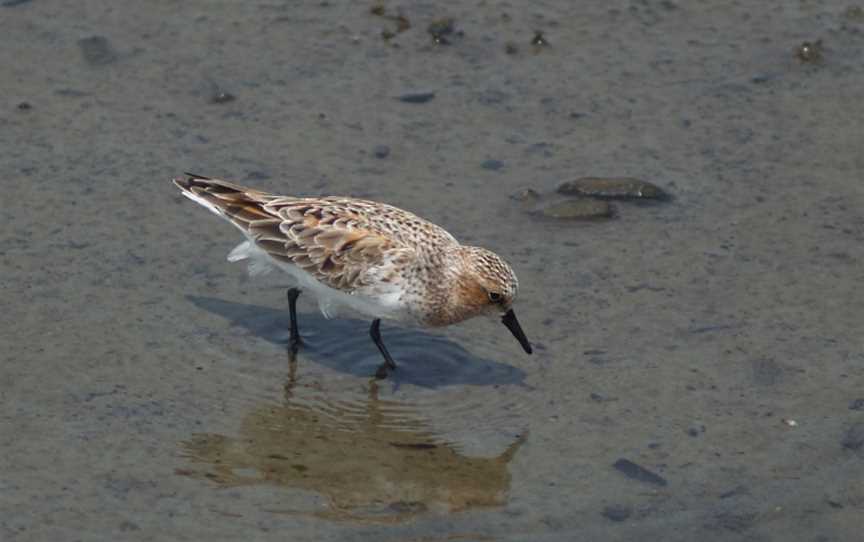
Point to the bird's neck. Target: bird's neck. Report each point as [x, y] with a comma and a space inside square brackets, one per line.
[455, 295]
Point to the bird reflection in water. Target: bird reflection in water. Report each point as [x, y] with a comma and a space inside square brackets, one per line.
[373, 461]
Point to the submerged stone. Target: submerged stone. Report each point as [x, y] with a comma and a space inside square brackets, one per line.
[638, 472]
[579, 209]
[612, 188]
[97, 51]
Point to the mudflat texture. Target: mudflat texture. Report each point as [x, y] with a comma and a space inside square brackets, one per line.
[698, 371]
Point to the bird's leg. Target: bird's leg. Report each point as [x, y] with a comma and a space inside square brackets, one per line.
[375, 333]
[291, 381]
[294, 341]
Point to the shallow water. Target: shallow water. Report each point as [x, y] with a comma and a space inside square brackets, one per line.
[715, 340]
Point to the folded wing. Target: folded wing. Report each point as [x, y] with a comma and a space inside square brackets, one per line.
[323, 237]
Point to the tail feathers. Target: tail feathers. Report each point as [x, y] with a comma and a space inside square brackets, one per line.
[238, 204]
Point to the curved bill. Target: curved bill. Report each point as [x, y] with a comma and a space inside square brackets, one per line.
[509, 320]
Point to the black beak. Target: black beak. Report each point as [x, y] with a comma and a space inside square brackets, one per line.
[509, 320]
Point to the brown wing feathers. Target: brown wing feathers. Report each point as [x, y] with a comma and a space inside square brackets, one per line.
[322, 237]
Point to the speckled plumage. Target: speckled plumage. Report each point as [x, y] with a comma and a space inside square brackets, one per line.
[369, 256]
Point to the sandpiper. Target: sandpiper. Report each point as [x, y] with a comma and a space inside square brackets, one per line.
[371, 257]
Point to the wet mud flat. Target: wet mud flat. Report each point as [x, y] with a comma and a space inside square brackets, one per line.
[698, 366]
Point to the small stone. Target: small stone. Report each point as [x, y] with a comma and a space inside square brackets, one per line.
[617, 512]
[612, 188]
[579, 209]
[416, 97]
[857, 404]
[402, 23]
[735, 492]
[440, 29]
[526, 195]
[511, 48]
[24, 106]
[407, 507]
[381, 151]
[539, 39]
[492, 165]
[760, 78]
[854, 437]
[97, 51]
[637, 472]
[810, 52]
[222, 97]
[695, 430]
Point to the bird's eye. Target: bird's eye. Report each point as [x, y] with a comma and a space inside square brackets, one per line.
[495, 297]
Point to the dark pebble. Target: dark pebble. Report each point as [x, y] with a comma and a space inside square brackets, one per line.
[637, 472]
[857, 404]
[854, 437]
[695, 430]
[97, 51]
[809, 51]
[735, 492]
[539, 39]
[617, 512]
[25, 106]
[612, 188]
[417, 97]
[440, 29]
[492, 165]
[407, 507]
[381, 151]
[221, 97]
[760, 78]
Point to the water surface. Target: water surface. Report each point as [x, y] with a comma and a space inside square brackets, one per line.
[145, 387]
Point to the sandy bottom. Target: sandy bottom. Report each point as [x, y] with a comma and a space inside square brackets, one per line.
[699, 371]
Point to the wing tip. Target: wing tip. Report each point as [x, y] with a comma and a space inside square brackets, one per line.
[186, 183]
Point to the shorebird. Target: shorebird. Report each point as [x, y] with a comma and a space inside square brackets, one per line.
[376, 259]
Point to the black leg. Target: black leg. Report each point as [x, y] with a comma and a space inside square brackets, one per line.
[294, 341]
[388, 364]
